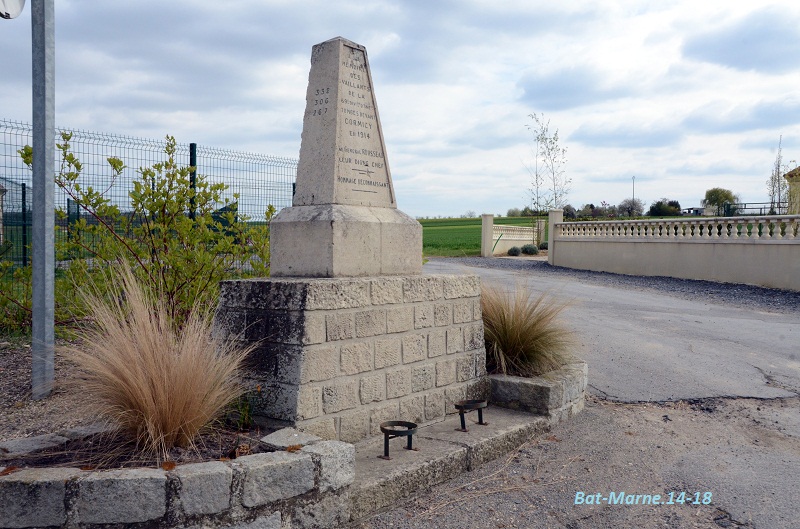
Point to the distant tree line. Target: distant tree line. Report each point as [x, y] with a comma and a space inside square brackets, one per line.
[723, 201]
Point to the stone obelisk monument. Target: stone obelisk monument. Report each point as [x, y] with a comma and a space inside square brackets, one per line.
[344, 220]
[349, 332]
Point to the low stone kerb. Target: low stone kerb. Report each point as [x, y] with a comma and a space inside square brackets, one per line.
[122, 496]
[275, 476]
[336, 462]
[34, 497]
[205, 488]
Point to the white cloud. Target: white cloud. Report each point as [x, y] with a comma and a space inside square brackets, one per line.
[683, 95]
[767, 40]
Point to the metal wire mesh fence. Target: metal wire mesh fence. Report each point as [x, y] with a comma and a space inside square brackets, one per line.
[258, 180]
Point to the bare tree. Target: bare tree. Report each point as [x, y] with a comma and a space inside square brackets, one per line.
[549, 183]
[631, 207]
[540, 198]
[777, 186]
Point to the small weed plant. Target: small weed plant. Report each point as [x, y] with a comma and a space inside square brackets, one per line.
[159, 383]
[523, 334]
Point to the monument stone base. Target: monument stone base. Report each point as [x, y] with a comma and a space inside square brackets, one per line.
[331, 240]
[338, 356]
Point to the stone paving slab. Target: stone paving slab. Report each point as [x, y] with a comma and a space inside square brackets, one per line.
[444, 453]
[380, 483]
[505, 431]
[25, 445]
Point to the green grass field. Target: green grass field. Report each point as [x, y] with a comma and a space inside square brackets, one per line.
[458, 237]
[440, 237]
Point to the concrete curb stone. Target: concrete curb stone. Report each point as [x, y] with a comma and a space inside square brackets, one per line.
[122, 496]
[34, 497]
[552, 394]
[274, 476]
[205, 488]
[336, 461]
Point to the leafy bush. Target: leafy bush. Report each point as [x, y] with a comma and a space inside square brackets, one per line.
[159, 384]
[543, 245]
[665, 208]
[523, 335]
[514, 251]
[15, 298]
[718, 197]
[180, 239]
[530, 249]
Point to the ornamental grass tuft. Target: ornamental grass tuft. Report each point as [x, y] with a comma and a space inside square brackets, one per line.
[524, 336]
[159, 384]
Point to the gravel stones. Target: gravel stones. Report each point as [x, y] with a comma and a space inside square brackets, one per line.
[732, 294]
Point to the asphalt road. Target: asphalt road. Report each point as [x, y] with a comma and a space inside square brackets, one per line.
[686, 396]
[644, 347]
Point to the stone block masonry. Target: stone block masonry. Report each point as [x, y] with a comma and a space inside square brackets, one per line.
[337, 356]
[308, 488]
[559, 394]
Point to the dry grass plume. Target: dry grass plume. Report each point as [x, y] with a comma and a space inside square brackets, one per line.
[524, 336]
[161, 385]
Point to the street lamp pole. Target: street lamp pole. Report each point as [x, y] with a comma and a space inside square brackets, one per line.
[43, 38]
[43, 164]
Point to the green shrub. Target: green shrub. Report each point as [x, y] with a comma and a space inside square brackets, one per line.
[179, 239]
[543, 245]
[523, 335]
[530, 249]
[158, 383]
[514, 251]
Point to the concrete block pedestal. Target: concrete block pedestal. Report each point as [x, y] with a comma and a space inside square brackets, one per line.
[331, 240]
[335, 357]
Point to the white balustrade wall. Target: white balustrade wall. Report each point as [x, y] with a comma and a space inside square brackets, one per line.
[504, 237]
[763, 250]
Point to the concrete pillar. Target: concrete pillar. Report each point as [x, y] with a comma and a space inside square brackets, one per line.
[540, 225]
[556, 216]
[487, 223]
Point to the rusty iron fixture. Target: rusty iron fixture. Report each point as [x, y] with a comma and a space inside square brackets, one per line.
[466, 406]
[392, 429]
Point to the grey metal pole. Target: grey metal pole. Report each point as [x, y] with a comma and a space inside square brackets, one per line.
[193, 177]
[24, 226]
[43, 39]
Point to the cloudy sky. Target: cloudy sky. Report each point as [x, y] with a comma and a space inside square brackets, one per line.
[683, 95]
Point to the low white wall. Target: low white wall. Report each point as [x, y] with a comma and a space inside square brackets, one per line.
[762, 251]
[505, 244]
[498, 239]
